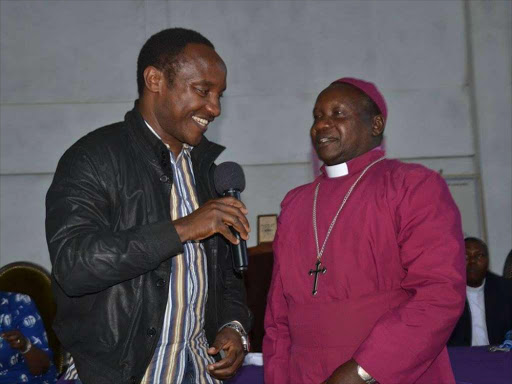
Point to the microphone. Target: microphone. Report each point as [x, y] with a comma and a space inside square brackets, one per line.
[229, 180]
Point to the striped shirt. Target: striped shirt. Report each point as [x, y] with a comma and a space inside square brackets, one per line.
[183, 333]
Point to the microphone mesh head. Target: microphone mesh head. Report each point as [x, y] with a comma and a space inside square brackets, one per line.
[229, 175]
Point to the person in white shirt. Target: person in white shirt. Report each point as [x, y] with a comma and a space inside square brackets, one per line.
[487, 315]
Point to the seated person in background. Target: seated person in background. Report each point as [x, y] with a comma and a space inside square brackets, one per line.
[487, 315]
[25, 356]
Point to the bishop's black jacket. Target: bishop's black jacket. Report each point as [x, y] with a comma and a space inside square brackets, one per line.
[111, 241]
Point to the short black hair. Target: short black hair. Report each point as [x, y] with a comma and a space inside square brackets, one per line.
[162, 51]
[478, 241]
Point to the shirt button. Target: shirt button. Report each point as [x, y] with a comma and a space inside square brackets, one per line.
[164, 179]
[151, 332]
[133, 379]
[160, 283]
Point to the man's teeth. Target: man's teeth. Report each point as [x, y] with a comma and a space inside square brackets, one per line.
[198, 120]
[324, 140]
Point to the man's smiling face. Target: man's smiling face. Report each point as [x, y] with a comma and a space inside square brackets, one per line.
[186, 107]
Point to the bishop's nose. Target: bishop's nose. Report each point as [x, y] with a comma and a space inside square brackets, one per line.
[322, 124]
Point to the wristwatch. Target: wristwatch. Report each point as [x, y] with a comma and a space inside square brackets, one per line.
[243, 335]
[365, 376]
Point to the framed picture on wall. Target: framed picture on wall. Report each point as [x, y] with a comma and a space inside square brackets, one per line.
[267, 226]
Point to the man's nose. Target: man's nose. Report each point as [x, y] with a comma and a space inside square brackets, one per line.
[213, 107]
[322, 123]
[471, 259]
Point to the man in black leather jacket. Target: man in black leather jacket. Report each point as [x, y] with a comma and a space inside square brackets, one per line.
[109, 229]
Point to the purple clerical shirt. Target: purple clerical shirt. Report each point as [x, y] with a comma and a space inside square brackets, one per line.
[395, 281]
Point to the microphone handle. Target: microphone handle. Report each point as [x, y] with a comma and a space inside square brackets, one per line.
[238, 251]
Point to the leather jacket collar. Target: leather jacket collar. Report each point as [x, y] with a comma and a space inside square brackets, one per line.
[204, 154]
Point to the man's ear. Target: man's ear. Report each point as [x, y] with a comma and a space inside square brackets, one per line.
[153, 79]
[377, 125]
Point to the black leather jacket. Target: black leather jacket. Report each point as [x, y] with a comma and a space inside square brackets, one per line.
[110, 237]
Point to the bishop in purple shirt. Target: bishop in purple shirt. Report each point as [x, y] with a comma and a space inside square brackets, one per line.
[369, 270]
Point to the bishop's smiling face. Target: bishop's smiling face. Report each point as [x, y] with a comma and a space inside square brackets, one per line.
[186, 107]
[339, 133]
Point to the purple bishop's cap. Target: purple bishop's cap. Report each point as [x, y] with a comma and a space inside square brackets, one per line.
[370, 89]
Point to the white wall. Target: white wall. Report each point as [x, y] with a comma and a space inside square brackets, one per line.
[67, 67]
[491, 38]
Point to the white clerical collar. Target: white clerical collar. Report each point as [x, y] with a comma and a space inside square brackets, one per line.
[336, 170]
[339, 170]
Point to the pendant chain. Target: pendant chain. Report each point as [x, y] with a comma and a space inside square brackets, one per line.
[319, 251]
